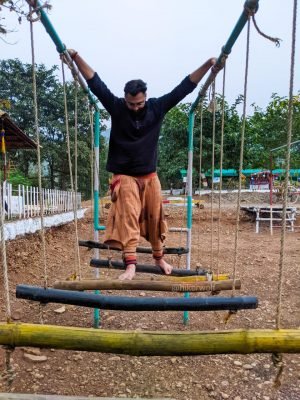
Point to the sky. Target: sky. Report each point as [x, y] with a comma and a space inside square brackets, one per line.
[162, 41]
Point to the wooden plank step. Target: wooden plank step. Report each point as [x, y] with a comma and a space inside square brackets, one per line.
[147, 250]
[145, 268]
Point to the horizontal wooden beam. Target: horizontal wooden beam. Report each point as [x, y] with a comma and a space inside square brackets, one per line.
[91, 244]
[145, 343]
[124, 303]
[197, 278]
[22, 396]
[162, 286]
[149, 269]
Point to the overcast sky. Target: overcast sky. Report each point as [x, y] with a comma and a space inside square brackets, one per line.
[161, 41]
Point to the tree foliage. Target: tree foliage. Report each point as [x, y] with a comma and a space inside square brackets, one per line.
[265, 130]
[16, 86]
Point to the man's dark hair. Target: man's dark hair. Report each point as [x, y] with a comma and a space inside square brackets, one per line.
[135, 86]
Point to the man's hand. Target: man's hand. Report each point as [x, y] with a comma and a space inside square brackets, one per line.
[73, 53]
[197, 75]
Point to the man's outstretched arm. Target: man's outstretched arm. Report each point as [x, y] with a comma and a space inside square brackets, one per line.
[94, 82]
[86, 71]
[197, 75]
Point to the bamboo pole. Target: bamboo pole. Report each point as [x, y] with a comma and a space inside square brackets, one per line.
[213, 277]
[147, 343]
[163, 286]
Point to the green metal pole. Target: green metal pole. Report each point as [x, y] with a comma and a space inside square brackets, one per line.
[60, 47]
[96, 171]
[189, 201]
[97, 227]
[250, 5]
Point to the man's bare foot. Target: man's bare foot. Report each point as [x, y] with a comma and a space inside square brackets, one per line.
[129, 273]
[167, 268]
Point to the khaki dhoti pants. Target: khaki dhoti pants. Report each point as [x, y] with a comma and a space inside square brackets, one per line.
[136, 211]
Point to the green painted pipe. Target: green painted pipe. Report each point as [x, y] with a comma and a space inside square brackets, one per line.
[249, 5]
[226, 49]
[96, 169]
[60, 47]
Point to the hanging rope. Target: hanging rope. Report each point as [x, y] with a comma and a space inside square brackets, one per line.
[200, 169]
[221, 168]
[92, 157]
[251, 14]
[37, 133]
[76, 176]
[272, 39]
[241, 159]
[213, 109]
[287, 168]
[4, 258]
[277, 358]
[77, 271]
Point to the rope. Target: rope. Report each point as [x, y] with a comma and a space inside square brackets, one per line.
[200, 168]
[92, 157]
[277, 358]
[9, 374]
[272, 39]
[4, 259]
[221, 168]
[241, 160]
[213, 103]
[287, 168]
[77, 255]
[76, 176]
[35, 9]
[37, 133]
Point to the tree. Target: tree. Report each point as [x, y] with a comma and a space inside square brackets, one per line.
[268, 130]
[16, 86]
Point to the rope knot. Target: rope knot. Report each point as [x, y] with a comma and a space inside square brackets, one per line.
[9, 374]
[36, 10]
[279, 364]
[272, 39]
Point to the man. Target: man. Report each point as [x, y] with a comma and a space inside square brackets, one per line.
[132, 158]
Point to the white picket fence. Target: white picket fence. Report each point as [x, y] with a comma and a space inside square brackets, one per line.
[24, 202]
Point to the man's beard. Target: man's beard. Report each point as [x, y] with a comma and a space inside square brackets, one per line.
[139, 114]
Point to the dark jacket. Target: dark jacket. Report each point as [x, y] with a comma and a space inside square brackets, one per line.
[134, 139]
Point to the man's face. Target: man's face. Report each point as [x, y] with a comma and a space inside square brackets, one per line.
[135, 103]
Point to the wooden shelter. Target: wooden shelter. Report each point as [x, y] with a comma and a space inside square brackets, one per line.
[14, 137]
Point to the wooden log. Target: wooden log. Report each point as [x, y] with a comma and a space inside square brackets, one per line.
[145, 343]
[21, 396]
[162, 286]
[91, 244]
[213, 277]
[135, 303]
[149, 269]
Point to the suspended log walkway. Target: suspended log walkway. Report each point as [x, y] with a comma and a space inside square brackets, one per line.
[149, 343]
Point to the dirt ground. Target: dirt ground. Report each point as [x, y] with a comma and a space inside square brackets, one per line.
[238, 377]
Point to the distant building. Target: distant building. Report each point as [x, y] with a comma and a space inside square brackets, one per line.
[12, 138]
